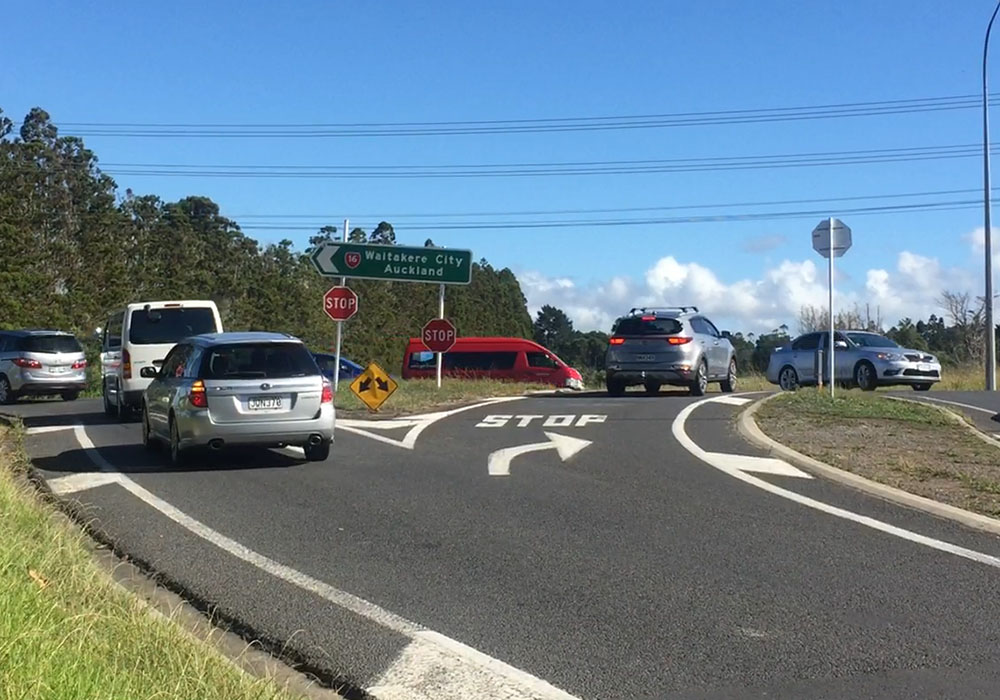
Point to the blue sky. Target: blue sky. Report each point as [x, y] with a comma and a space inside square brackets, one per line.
[325, 62]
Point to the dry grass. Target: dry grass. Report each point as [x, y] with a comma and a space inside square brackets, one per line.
[912, 447]
[421, 395]
[67, 631]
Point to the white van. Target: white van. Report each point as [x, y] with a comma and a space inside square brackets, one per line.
[141, 335]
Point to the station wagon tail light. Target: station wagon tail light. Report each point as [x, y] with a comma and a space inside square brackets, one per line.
[616, 341]
[675, 340]
[197, 396]
[327, 393]
[27, 364]
[126, 365]
[80, 364]
[649, 318]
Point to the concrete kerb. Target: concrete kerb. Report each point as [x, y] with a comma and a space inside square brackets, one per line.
[749, 429]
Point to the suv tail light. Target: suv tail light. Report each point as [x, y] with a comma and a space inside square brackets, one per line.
[616, 341]
[197, 396]
[126, 365]
[27, 364]
[327, 392]
[80, 364]
[675, 340]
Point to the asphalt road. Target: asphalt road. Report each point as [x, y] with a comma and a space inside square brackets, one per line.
[633, 569]
[981, 407]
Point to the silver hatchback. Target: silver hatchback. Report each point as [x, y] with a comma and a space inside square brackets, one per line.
[41, 363]
[226, 389]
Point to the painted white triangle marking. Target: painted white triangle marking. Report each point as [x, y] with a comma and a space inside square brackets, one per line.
[42, 429]
[82, 482]
[731, 400]
[761, 465]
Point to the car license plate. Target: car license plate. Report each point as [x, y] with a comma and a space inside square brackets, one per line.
[58, 369]
[923, 368]
[645, 358]
[264, 403]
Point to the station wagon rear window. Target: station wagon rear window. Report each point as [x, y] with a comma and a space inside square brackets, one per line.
[638, 326]
[162, 326]
[49, 343]
[257, 361]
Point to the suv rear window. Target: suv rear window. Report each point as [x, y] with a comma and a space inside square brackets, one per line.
[635, 325]
[49, 343]
[162, 326]
[258, 361]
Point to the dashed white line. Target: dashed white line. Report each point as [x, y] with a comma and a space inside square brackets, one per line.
[709, 458]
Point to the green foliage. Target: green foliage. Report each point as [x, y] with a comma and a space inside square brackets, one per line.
[71, 251]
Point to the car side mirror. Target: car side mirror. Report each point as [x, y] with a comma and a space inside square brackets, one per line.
[840, 344]
[727, 334]
[148, 373]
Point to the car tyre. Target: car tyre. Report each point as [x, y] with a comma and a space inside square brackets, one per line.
[699, 385]
[788, 379]
[178, 456]
[109, 410]
[728, 385]
[7, 395]
[148, 441]
[615, 387]
[652, 388]
[318, 453]
[865, 377]
[123, 412]
[70, 395]
[922, 387]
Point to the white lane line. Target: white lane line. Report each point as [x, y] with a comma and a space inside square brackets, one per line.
[956, 403]
[80, 482]
[43, 429]
[761, 465]
[454, 671]
[732, 400]
[708, 457]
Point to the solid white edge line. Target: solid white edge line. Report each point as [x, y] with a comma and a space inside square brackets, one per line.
[956, 403]
[687, 443]
[537, 687]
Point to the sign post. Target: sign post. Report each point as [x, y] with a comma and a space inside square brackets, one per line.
[439, 335]
[340, 323]
[831, 238]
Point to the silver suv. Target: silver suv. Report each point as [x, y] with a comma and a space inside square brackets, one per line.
[41, 363]
[674, 345]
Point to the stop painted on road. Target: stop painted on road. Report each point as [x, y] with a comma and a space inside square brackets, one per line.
[555, 421]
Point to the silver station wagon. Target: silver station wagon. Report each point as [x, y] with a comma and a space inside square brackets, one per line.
[226, 389]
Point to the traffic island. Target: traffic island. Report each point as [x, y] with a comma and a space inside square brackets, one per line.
[416, 396]
[67, 630]
[918, 455]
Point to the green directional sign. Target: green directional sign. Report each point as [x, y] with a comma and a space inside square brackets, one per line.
[393, 262]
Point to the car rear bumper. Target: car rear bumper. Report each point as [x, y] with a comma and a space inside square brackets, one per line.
[678, 376]
[36, 388]
[198, 430]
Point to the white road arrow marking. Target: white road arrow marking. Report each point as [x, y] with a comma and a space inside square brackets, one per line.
[761, 465]
[732, 400]
[498, 463]
[43, 429]
[81, 482]
[324, 260]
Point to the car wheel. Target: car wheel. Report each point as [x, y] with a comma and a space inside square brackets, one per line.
[728, 384]
[177, 455]
[109, 410]
[123, 412]
[318, 453]
[922, 387]
[70, 395]
[699, 385]
[865, 377]
[788, 379]
[615, 387]
[7, 395]
[148, 441]
[652, 388]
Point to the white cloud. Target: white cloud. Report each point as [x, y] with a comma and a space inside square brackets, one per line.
[911, 288]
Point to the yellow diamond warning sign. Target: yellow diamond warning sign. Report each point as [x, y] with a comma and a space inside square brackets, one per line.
[373, 386]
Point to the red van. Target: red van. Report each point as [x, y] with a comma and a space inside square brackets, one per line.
[512, 359]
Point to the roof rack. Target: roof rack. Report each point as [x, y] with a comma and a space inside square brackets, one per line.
[645, 309]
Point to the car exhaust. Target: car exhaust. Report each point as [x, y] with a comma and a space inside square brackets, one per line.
[315, 440]
[216, 444]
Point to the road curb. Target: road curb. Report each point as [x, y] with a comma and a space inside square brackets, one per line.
[752, 433]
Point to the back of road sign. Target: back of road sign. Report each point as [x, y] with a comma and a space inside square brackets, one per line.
[841, 238]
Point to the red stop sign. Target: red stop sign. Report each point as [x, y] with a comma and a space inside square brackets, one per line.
[340, 303]
[439, 335]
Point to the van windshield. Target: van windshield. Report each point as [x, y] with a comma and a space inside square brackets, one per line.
[163, 326]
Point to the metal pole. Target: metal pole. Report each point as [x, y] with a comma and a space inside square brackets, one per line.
[991, 349]
[340, 324]
[830, 376]
[440, 356]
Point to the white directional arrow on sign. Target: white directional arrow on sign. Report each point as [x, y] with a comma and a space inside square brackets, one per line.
[499, 461]
[323, 259]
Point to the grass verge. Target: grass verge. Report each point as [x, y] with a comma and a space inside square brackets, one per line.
[421, 395]
[68, 631]
[912, 447]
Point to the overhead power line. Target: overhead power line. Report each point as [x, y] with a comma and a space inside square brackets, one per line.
[520, 126]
